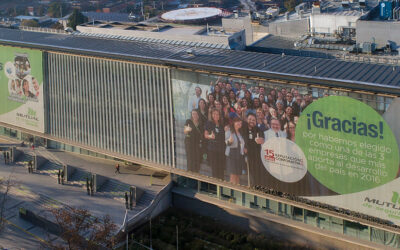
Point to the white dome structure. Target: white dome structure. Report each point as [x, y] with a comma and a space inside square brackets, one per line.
[192, 15]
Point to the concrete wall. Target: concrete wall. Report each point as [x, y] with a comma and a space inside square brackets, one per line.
[99, 180]
[7, 150]
[39, 161]
[259, 222]
[40, 221]
[138, 194]
[242, 23]
[259, 31]
[69, 172]
[325, 23]
[15, 154]
[381, 32]
[293, 28]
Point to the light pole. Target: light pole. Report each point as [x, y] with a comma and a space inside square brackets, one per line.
[177, 238]
[151, 243]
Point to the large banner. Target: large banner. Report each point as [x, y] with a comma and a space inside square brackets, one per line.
[21, 88]
[330, 148]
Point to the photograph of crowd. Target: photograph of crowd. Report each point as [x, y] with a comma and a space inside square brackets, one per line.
[228, 121]
[21, 85]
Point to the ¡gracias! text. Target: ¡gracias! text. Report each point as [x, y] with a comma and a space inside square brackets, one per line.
[318, 120]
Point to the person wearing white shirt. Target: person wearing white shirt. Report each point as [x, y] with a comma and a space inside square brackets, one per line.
[255, 93]
[242, 91]
[193, 102]
[275, 130]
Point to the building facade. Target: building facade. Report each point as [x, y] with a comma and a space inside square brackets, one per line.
[134, 101]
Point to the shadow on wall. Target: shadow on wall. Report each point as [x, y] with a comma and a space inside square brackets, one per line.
[239, 220]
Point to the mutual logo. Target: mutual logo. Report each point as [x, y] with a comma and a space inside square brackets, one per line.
[30, 115]
[394, 203]
[395, 198]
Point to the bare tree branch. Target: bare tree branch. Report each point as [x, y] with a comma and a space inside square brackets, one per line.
[5, 187]
[80, 230]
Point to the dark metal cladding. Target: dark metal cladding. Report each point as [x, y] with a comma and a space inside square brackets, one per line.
[328, 72]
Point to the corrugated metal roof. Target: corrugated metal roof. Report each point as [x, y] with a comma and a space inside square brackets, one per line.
[308, 69]
[151, 40]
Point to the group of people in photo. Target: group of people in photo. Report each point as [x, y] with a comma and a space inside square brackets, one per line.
[229, 126]
[21, 83]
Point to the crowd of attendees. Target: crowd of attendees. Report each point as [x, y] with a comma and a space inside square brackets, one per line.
[228, 127]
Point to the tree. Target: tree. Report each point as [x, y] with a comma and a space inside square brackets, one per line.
[76, 18]
[57, 26]
[40, 10]
[290, 4]
[15, 11]
[29, 23]
[5, 187]
[74, 223]
[57, 9]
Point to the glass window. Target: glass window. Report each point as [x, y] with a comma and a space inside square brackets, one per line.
[78, 150]
[192, 183]
[392, 239]
[311, 217]
[237, 197]
[380, 103]
[249, 200]
[297, 213]
[226, 194]
[336, 225]
[180, 181]
[186, 182]
[385, 238]
[261, 203]
[284, 210]
[356, 230]
[273, 206]
[323, 221]
[208, 188]
[68, 148]
[377, 236]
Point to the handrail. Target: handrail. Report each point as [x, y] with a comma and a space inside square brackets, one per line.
[149, 209]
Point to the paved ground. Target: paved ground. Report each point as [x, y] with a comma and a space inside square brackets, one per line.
[41, 192]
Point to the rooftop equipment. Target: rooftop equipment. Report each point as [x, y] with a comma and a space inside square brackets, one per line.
[385, 10]
[345, 4]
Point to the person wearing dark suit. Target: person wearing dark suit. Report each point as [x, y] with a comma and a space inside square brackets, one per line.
[215, 136]
[193, 131]
[254, 138]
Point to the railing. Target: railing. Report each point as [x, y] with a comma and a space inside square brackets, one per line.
[148, 211]
[143, 215]
[386, 60]
[45, 30]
